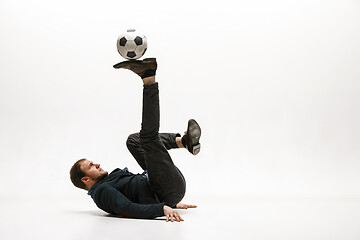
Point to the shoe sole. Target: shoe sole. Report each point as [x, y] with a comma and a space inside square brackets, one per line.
[194, 133]
[127, 64]
[149, 59]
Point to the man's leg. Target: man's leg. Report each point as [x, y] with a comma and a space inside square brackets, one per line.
[170, 141]
[164, 177]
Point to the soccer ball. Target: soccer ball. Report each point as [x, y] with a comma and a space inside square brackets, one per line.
[131, 44]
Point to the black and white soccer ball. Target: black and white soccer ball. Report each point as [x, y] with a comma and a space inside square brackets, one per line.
[132, 44]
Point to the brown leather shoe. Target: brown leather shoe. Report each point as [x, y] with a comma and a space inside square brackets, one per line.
[143, 68]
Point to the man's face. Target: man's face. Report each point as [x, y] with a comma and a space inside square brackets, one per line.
[93, 170]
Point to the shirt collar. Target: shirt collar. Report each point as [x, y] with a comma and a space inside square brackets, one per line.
[91, 189]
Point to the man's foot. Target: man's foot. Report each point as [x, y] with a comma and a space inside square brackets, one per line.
[144, 68]
[191, 137]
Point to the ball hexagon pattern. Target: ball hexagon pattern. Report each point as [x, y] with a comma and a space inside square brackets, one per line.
[131, 44]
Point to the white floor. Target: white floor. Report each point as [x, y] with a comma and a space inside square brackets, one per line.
[240, 217]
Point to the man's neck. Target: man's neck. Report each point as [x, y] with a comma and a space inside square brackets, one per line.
[90, 184]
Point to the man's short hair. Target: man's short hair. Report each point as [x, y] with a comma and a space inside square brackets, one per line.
[76, 174]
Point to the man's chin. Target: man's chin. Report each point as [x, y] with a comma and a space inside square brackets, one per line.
[102, 176]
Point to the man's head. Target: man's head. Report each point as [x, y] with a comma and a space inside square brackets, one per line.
[85, 173]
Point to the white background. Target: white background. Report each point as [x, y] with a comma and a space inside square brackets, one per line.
[274, 85]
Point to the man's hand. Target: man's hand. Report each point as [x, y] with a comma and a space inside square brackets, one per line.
[171, 214]
[185, 206]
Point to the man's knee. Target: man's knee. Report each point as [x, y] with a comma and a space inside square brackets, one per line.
[133, 140]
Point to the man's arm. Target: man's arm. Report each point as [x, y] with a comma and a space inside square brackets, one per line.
[111, 200]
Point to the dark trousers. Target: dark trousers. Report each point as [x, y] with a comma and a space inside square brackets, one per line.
[150, 149]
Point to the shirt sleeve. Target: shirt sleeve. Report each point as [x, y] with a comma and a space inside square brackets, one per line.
[111, 200]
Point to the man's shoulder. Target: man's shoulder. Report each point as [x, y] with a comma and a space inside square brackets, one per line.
[99, 188]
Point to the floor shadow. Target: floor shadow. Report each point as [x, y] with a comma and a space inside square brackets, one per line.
[117, 216]
[108, 215]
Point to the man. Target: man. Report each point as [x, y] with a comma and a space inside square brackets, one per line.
[161, 186]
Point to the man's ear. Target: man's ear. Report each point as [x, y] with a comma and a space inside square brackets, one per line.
[85, 179]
